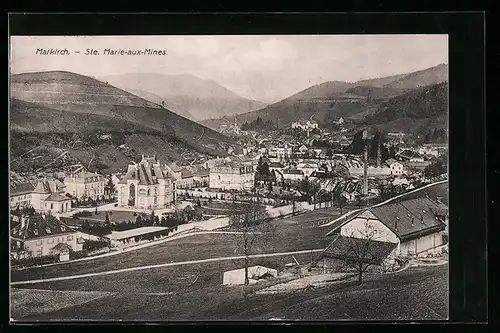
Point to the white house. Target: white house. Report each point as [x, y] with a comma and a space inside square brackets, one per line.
[40, 235]
[413, 226]
[292, 174]
[396, 168]
[48, 196]
[85, 184]
[232, 176]
[20, 195]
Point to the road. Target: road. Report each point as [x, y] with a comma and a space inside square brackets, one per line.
[181, 263]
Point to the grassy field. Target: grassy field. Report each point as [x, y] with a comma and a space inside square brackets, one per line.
[414, 294]
[292, 234]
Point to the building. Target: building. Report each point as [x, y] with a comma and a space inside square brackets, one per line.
[255, 273]
[40, 235]
[201, 177]
[395, 167]
[292, 174]
[414, 226]
[85, 185]
[232, 176]
[146, 185]
[305, 125]
[186, 180]
[409, 156]
[20, 195]
[307, 168]
[127, 238]
[281, 153]
[48, 196]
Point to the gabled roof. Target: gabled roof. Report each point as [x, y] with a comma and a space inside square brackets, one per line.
[408, 219]
[356, 249]
[276, 165]
[60, 247]
[20, 189]
[36, 226]
[57, 197]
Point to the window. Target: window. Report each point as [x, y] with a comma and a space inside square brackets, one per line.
[50, 241]
[39, 242]
[51, 206]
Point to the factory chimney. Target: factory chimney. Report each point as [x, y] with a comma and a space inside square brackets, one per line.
[365, 164]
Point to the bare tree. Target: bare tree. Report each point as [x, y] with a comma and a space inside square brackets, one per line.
[360, 252]
[252, 222]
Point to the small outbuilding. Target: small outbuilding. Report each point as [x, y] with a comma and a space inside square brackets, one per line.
[255, 273]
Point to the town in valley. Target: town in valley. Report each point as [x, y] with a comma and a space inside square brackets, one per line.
[167, 197]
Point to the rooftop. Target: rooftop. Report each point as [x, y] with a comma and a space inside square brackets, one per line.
[344, 247]
[38, 226]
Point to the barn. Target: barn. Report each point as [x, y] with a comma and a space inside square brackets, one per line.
[415, 226]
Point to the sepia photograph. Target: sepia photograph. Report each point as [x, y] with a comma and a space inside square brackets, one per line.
[184, 178]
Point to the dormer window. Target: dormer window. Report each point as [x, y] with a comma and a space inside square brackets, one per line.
[35, 231]
[423, 211]
[47, 230]
[408, 215]
[63, 228]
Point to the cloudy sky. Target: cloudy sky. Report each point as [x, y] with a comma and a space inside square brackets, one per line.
[267, 68]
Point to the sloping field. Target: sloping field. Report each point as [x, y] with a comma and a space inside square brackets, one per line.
[288, 237]
[414, 294]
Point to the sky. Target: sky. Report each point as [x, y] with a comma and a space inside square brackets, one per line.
[265, 67]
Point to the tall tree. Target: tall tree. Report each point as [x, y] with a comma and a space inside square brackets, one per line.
[253, 224]
[360, 252]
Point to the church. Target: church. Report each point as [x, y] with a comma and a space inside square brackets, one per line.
[146, 185]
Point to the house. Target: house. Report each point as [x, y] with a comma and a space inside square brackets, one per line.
[232, 176]
[395, 167]
[255, 273]
[201, 177]
[292, 174]
[410, 156]
[186, 179]
[85, 184]
[39, 235]
[20, 195]
[281, 153]
[307, 168]
[146, 185]
[48, 196]
[304, 125]
[414, 226]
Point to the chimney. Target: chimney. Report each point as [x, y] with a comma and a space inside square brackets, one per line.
[422, 219]
[412, 222]
[23, 221]
[396, 224]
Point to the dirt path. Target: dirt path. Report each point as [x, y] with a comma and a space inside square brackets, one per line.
[139, 268]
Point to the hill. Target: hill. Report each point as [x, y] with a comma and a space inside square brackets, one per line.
[355, 102]
[51, 107]
[203, 99]
[161, 102]
[410, 112]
